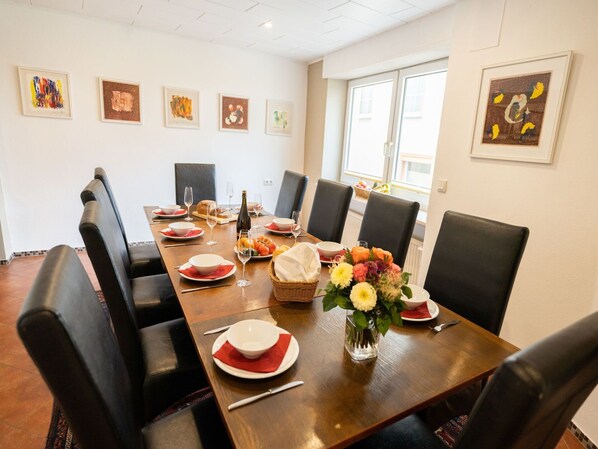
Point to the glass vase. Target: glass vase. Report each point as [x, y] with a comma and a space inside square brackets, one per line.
[361, 344]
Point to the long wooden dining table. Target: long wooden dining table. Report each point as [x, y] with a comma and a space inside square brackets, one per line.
[342, 400]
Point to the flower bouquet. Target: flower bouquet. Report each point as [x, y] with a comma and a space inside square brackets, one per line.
[369, 286]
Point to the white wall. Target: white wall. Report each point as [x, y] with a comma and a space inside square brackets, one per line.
[46, 162]
[557, 282]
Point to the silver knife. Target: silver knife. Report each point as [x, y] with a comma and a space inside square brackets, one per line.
[218, 329]
[195, 289]
[181, 244]
[270, 392]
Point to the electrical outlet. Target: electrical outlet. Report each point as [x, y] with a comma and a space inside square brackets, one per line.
[267, 182]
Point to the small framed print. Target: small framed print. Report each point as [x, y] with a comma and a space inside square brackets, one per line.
[45, 93]
[181, 108]
[120, 101]
[519, 108]
[279, 117]
[234, 113]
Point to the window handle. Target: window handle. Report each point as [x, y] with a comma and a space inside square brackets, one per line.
[387, 149]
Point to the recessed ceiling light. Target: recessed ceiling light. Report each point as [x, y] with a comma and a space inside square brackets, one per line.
[267, 24]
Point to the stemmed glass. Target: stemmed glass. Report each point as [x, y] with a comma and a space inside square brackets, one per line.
[257, 208]
[188, 200]
[212, 220]
[244, 248]
[296, 226]
[230, 192]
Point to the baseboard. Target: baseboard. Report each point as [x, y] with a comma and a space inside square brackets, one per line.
[583, 439]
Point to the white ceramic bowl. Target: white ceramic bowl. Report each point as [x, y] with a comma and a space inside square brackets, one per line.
[181, 228]
[252, 337]
[419, 297]
[329, 249]
[169, 209]
[284, 224]
[206, 263]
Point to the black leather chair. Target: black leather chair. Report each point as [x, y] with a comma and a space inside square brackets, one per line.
[292, 191]
[388, 223]
[473, 267]
[527, 404]
[202, 177]
[145, 259]
[153, 296]
[329, 210]
[67, 335]
[161, 357]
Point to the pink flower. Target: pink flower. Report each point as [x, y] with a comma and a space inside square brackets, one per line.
[395, 268]
[360, 272]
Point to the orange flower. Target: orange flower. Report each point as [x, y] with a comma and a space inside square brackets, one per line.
[360, 254]
[383, 255]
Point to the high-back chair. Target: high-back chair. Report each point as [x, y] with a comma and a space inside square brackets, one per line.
[202, 177]
[154, 297]
[473, 267]
[290, 196]
[527, 404]
[145, 259]
[329, 210]
[66, 333]
[388, 223]
[162, 356]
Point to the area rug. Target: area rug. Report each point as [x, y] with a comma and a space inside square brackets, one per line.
[60, 435]
[449, 432]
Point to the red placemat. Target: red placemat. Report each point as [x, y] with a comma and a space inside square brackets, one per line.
[222, 270]
[176, 212]
[191, 233]
[417, 313]
[328, 259]
[266, 363]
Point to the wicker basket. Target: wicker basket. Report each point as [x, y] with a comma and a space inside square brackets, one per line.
[291, 291]
[363, 193]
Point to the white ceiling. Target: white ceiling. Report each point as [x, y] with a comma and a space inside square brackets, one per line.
[304, 30]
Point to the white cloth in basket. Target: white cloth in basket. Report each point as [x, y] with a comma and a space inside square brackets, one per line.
[301, 263]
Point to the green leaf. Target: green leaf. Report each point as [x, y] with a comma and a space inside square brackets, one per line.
[407, 291]
[360, 319]
[343, 302]
[405, 277]
[329, 302]
[395, 317]
[383, 323]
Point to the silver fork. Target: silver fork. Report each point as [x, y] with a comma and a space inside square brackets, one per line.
[442, 326]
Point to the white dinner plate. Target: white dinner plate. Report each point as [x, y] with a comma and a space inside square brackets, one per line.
[226, 262]
[182, 237]
[277, 232]
[434, 311]
[289, 359]
[155, 212]
[268, 256]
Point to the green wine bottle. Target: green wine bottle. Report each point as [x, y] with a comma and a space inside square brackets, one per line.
[244, 220]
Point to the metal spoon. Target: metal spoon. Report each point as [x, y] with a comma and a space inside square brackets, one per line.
[442, 326]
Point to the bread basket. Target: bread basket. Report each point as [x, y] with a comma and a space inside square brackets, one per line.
[291, 291]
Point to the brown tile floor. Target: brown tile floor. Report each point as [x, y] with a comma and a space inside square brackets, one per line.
[25, 402]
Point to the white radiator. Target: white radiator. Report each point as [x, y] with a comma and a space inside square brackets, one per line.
[413, 260]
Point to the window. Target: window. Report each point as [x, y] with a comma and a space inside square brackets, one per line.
[392, 126]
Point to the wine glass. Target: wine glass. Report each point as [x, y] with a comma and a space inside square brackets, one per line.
[257, 208]
[230, 192]
[212, 220]
[188, 200]
[244, 249]
[296, 226]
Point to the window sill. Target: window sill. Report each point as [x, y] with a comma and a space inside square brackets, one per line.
[357, 206]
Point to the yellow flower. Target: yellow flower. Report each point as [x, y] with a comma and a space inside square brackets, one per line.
[342, 275]
[363, 296]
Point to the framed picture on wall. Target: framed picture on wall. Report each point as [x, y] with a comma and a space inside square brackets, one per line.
[234, 113]
[181, 108]
[279, 117]
[45, 93]
[120, 101]
[519, 108]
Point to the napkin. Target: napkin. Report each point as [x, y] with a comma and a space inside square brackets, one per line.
[301, 263]
[273, 227]
[176, 212]
[170, 233]
[328, 259]
[222, 270]
[417, 313]
[266, 363]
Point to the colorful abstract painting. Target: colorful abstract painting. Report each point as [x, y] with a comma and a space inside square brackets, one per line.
[234, 113]
[120, 101]
[279, 115]
[45, 93]
[519, 107]
[181, 108]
